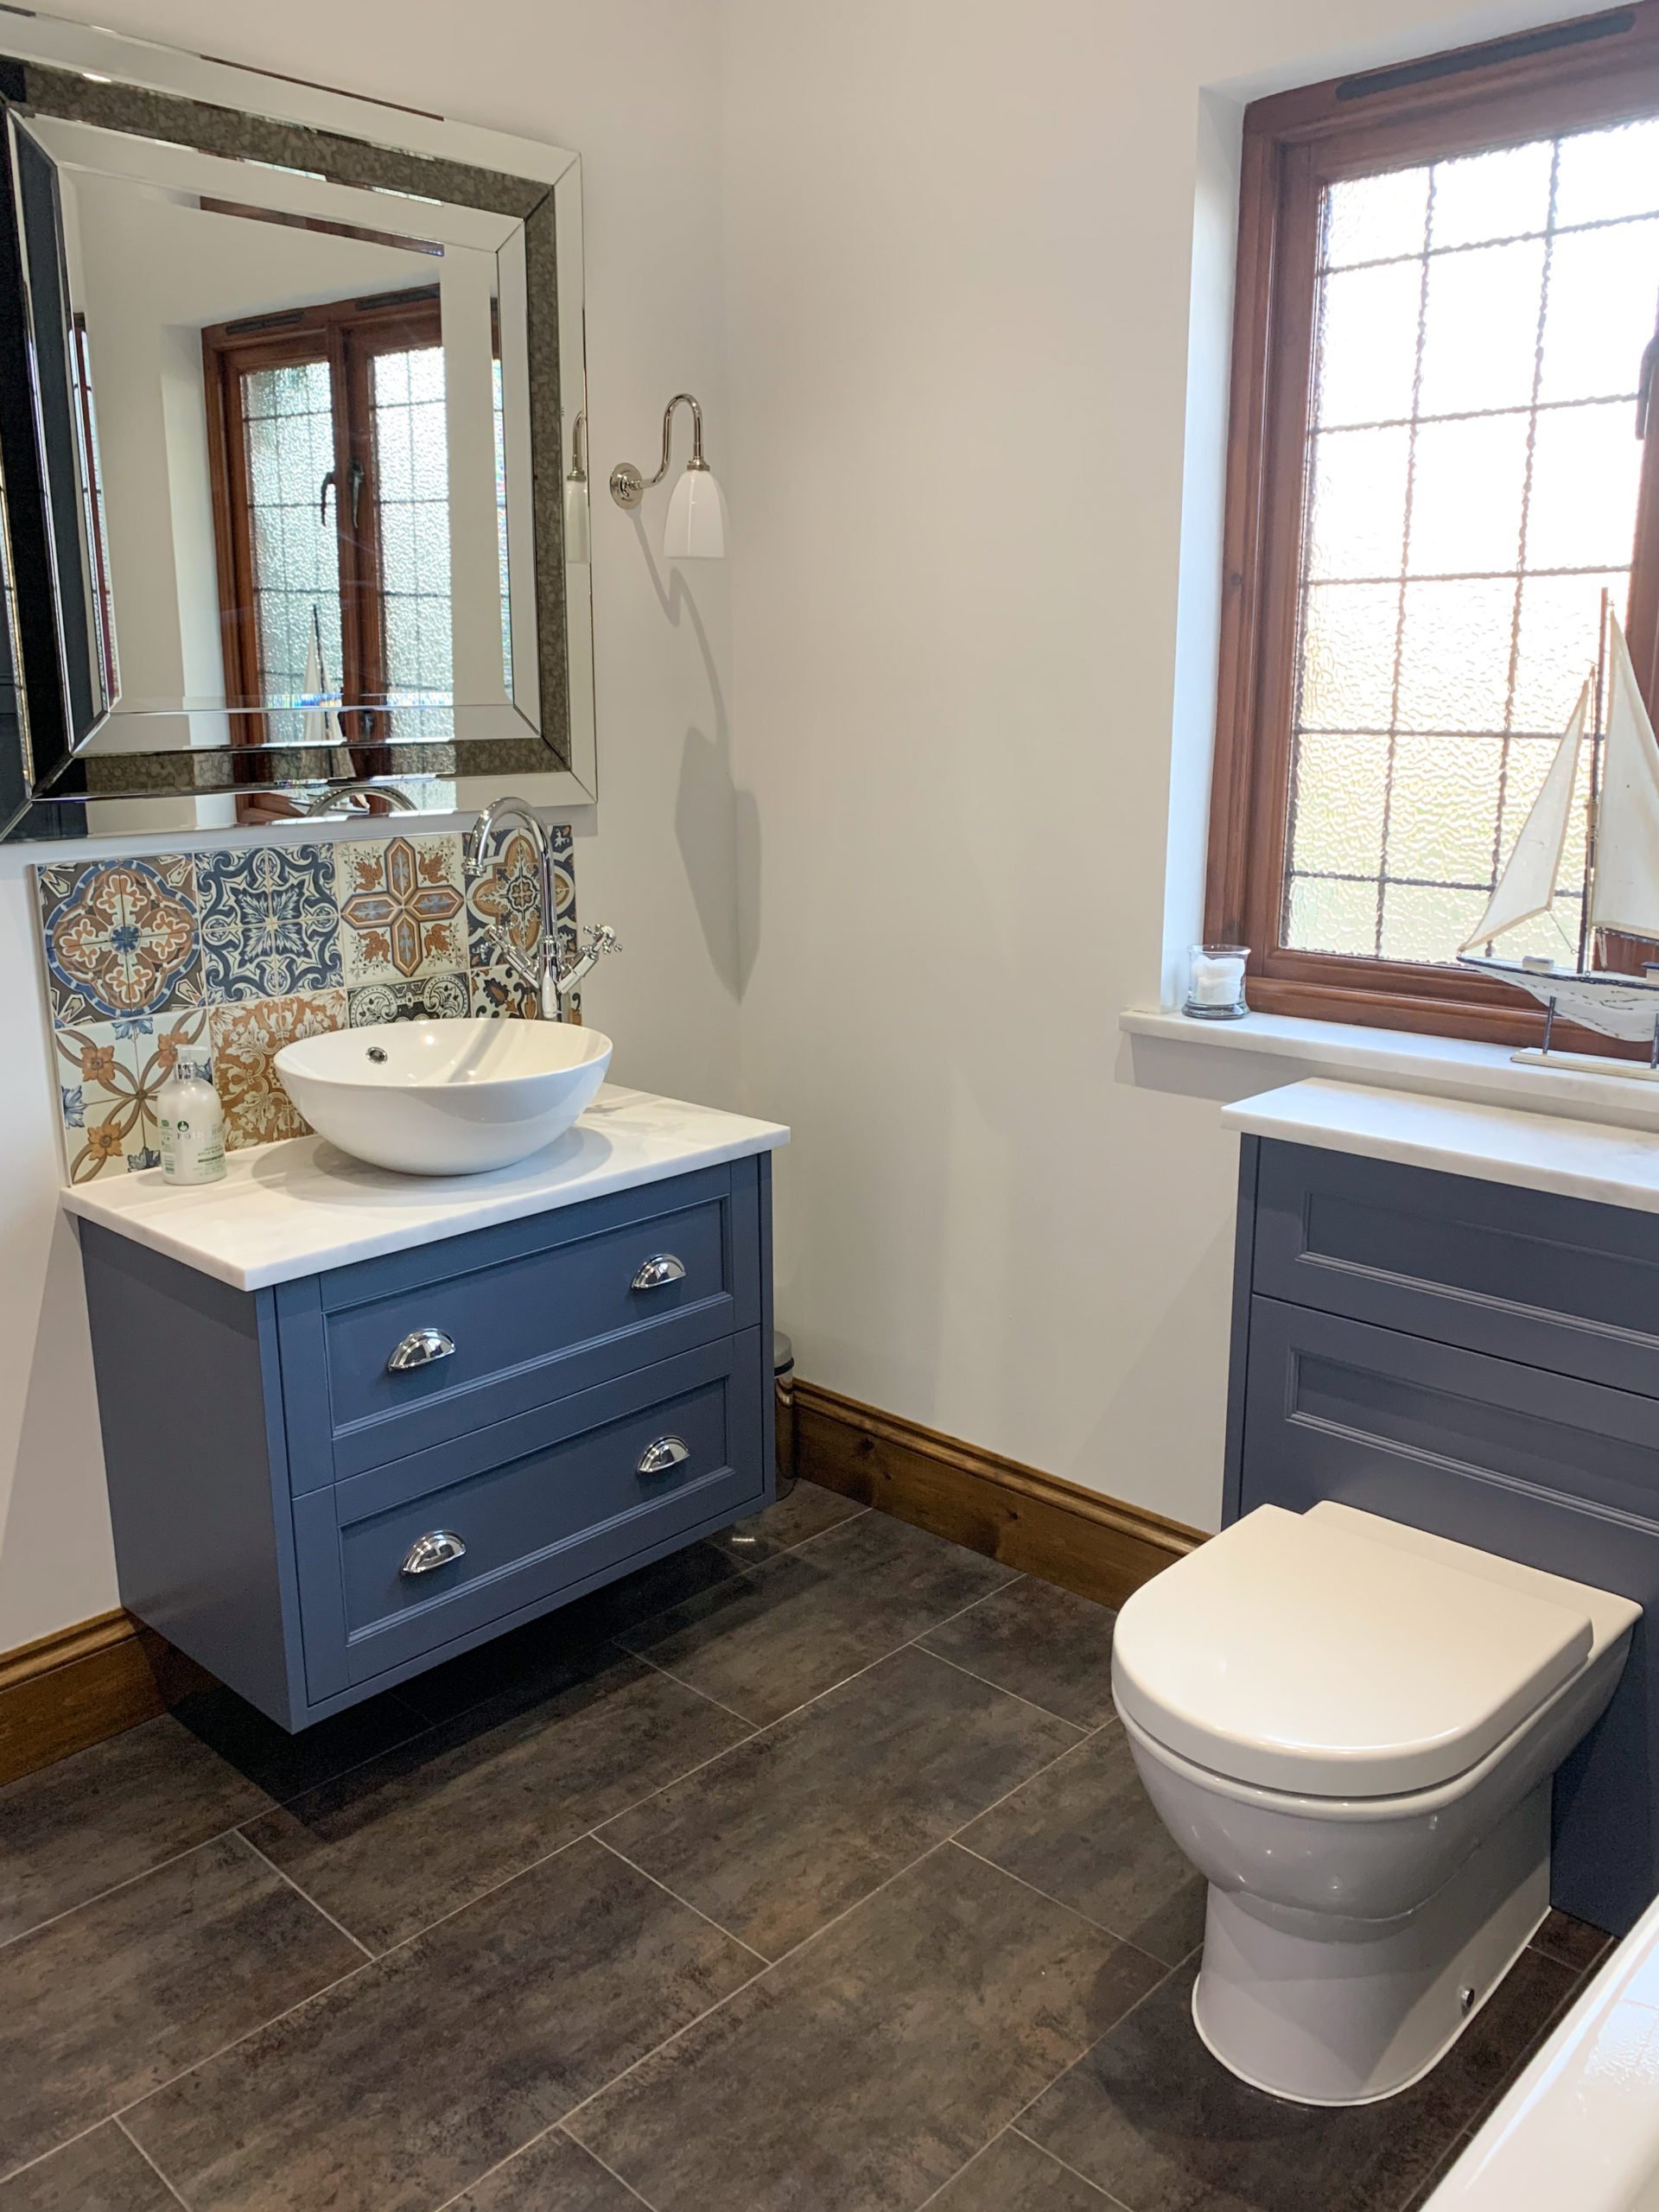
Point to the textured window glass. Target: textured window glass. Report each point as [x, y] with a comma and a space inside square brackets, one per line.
[501, 417]
[289, 428]
[1472, 487]
[412, 461]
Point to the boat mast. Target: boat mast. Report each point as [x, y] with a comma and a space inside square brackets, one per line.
[1594, 807]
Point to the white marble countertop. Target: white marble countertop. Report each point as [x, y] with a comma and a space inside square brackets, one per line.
[289, 1210]
[1495, 1144]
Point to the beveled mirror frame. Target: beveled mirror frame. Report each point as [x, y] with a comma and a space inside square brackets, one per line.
[73, 72]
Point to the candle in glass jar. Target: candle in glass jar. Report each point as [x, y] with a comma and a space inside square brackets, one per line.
[1218, 980]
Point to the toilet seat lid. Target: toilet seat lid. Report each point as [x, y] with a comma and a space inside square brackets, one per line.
[1337, 1655]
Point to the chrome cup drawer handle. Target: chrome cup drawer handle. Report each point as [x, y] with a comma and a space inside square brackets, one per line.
[419, 1349]
[438, 1547]
[667, 1451]
[658, 1272]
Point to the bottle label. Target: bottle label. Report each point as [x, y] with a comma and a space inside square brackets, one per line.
[192, 1134]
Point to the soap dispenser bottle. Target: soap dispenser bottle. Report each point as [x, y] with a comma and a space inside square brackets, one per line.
[193, 1125]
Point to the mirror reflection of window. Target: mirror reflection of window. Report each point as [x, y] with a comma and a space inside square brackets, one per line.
[331, 495]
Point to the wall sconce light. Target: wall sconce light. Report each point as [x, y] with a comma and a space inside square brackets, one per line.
[694, 529]
[576, 533]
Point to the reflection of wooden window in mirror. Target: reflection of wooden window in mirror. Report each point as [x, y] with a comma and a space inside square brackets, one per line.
[328, 443]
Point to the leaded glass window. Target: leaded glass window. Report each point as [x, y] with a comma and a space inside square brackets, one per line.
[1471, 489]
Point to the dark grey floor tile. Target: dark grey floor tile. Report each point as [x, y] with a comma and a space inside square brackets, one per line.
[1041, 1642]
[1574, 1942]
[554, 2175]
[103, 2003]
[542, 1650]
[808, 1512]
[766, 1642]
[283, 1765]
[397, 2090]
[799, 1823]
[109, 1813]
[1085, 1831]
[1150, 2117]
[99, 2172]
[393, 1846]
[1012, 2175]
[866, 2068]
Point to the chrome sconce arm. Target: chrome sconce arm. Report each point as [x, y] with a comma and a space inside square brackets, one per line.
[695, 526]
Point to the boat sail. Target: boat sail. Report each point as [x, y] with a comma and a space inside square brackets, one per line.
[1622, 871]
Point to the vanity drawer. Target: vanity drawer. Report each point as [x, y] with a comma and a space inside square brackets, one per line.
[1552, 1282]
[530, 1312]
[541, 1503]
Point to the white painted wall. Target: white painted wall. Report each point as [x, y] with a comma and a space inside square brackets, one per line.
[972, 252]
[632, 86]
[960, 258]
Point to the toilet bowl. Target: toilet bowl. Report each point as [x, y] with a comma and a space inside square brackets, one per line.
[1351, 1727]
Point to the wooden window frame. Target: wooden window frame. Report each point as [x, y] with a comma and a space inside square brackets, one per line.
[348, 333]
[1601, 69]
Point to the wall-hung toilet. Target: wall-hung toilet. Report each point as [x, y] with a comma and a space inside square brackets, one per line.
[1351, 1727]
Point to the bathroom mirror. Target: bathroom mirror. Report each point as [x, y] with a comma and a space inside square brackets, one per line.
[291, 462]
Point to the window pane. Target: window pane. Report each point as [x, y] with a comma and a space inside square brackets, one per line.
[1468, 484]
[1484, 196]
[1603, 287]
[1336, 806]
[1605, 174]
[1376, 218]
[288, 428]
[1454, 561]
[412, 461]
[1367, 344]
[1356, 513]
[1480, 328]
[1348, 637]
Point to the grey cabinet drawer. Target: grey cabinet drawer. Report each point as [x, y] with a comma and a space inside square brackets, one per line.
[1339, 1409]
[535, 1310]
[1552, 1282]
[540, 1503]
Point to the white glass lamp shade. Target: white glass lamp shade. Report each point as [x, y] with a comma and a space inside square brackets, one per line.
[695, 528]
[577, 550]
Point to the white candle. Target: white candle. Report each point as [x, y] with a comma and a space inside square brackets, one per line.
[1217, 979]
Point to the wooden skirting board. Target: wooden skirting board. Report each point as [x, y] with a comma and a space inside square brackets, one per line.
[1046, 1527]
[75, 1687]
[80, 1684]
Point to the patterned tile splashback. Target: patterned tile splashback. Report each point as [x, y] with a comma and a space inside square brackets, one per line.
[243, 952]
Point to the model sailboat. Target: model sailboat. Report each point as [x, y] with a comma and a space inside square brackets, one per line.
[1621, 873]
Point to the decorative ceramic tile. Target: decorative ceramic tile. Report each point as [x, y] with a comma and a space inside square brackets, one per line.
[279, 941]
[402, 908]
[121, 937]
[109, 1074]
[434, 998]
[246, 1039]
[500, 993]
[269, 925]
[505, 899]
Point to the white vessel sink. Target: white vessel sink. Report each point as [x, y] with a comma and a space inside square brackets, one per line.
[445, 1097]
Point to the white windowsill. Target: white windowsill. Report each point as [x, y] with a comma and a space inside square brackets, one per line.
[1229, 1060]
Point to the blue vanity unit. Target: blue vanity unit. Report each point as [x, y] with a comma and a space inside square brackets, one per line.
[1448, 1313]
[355, 1423]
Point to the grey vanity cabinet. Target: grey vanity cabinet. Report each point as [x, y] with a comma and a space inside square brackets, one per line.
[321, 1488]
[1483, 1361]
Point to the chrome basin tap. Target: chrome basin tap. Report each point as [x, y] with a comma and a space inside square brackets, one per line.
[551, 978]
